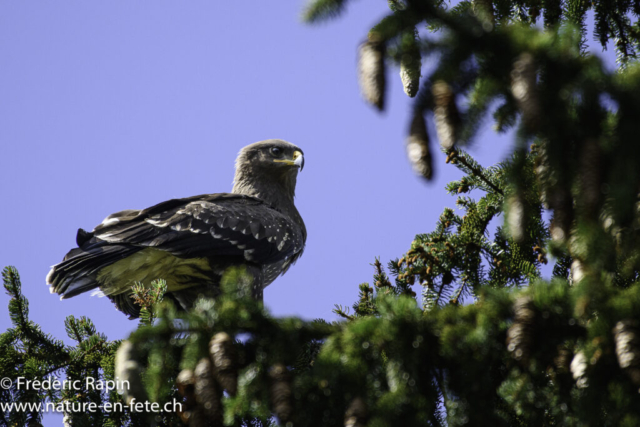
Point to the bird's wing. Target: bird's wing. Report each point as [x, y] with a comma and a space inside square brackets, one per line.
[210, 225]
[228, 227]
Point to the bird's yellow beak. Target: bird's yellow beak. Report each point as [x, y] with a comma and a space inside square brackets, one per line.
[297, 160]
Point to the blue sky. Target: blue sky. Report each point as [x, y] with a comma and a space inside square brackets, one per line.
[118, 105]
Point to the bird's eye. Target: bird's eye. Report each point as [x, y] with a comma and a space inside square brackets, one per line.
[276, 151]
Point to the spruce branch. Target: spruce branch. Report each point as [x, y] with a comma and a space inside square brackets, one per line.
[457, 155]
[148, 299]
[71, 326]
[320, 10]
[342, 312]
[18, 305]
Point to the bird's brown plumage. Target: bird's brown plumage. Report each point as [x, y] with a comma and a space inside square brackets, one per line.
[191, 242]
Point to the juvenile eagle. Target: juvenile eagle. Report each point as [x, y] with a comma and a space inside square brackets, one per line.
[191, 242]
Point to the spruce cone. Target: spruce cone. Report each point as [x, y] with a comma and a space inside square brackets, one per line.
[484, 8]
[418, 147]
[371, 72]
[410, 64]
[410, 78]
[281, 392]
[356, 414]
[563, 359]
[520, 334]
[225, 363]
[523, 87]
[128, 371]
[627, 339]
[516, 218]
[207, 392]
[67, 420]
[579, 366]
[561, 202]
[446, 114]
[577, 271]
[542, 172]
[186, 386]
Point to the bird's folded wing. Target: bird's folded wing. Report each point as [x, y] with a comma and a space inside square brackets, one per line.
[210, 225]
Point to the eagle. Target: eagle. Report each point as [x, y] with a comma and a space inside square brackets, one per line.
[191, 242]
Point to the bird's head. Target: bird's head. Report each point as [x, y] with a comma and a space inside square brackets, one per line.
[272, 156]
[270, 163]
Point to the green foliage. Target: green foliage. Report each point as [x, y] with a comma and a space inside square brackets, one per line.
[324, 9]
[148, 298]
[492, 342]
[402, 361]
[575, 153]
[28, 354]
[399, 363]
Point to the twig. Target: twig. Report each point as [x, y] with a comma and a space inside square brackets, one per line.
[477, 172]
[457, 298]
[439, 380]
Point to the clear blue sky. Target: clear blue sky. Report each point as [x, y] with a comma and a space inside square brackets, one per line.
[121, 105]
[118, 105]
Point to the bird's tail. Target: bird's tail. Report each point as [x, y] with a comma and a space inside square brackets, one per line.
[77, 273]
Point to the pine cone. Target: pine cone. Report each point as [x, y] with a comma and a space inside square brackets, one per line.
[356, 414]
[67, 420]
[207, 392]
[563, 359]
[418, 150]
[579, 366]
[484, 8]
[128, 371]
[410, 64]
[446, 114]
[281, 392]
[371, 72]
[186, 387]
[577, 271]
[225, 361]
[627, 338]
[516, 218]
[542, 171]
[561, 202]
[523, 88]
[520, 335]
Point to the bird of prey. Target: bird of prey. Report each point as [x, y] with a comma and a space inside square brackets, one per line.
[191, 242]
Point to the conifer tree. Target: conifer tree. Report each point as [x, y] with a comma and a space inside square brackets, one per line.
[522, 350]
